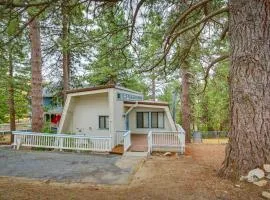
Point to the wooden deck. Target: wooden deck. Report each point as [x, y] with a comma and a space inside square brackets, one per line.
[139, 142]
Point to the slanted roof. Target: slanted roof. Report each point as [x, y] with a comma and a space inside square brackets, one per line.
[154, 103]
[77, 90]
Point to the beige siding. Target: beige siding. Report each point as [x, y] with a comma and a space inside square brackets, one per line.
[118, 113]
[133, 120]
[84, 117]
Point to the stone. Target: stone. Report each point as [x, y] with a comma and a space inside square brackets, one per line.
[243, 178]
[255, 175]
[167, 154]
[237, 186]
[266, 168]
[268, 176]
[260, 183]
[266, 194]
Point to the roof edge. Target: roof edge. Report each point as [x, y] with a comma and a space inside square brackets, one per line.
[154, 103]
[100, 87]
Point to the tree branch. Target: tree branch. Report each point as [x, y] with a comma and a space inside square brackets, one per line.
[11, 3]
[224, 31]
[27, 23]
[134, 18]
[222, 10]
[217, 60]
[183, 16]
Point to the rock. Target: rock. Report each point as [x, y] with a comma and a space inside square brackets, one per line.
[255, 175]
[268, 176]
[266, 168]
[243, 178]
[237, 186]
[260, 183]
[266, 194]
[167, 154]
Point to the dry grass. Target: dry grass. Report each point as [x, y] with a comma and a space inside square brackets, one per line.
[215, 141]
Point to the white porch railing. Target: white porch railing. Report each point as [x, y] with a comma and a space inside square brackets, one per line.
[127, 140]
[166, 141]
[119, 139]
[149, 142]
[62, 141]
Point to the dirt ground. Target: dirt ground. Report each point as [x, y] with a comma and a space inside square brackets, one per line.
[5, 138]
[186, 177]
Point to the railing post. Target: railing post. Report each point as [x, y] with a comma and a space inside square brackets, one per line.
[149, 141]
[61, 143]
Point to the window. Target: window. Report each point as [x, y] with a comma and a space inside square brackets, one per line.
[157, 119]
[142, 119]
[104, 122]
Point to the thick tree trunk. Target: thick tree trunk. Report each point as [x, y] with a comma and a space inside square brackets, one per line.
[11, 102]
[65, 51]
[249, 136]
[185, 103]
[36, 81]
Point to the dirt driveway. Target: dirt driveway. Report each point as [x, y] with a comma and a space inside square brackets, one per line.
[187, 177]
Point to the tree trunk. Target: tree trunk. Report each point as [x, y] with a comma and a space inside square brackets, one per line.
[36, 80]
[249, 136]
[153, 86]
[185, 103]
[65, 51]
[11, 103]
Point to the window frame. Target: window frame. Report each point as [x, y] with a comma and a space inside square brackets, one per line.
[163, 124]
[142, 120]
[99, 122]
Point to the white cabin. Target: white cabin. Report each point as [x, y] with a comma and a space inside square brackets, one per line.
[108, 110]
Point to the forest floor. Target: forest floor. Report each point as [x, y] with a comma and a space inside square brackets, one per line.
[193, 176]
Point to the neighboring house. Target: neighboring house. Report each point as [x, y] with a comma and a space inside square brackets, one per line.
[52, 110]
[105, 110]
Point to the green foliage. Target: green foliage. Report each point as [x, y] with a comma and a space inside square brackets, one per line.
[211, 109]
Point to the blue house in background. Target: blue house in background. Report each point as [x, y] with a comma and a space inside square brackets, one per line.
[47, 98]
[52, 108]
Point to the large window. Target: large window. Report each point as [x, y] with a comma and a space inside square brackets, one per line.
[157, 119]
[104, 122]
[142, 119]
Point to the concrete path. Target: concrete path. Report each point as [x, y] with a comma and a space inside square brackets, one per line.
[73, 167]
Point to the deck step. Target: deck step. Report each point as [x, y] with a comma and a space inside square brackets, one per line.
[138, 148]
[135, 154]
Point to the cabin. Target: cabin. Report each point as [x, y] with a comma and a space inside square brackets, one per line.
[114, 111]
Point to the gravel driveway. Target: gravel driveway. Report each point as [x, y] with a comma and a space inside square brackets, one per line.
[74, 167]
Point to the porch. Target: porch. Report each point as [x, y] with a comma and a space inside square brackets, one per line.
[153, 141]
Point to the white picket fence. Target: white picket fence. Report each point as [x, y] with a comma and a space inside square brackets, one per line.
[62, 141]
[166, 141]
[127, 140]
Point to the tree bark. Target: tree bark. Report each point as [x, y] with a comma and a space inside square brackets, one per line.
[36, 80]
[185, 103]
[65, 51]
[153, 86]
[249, 136]
[11, 102]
